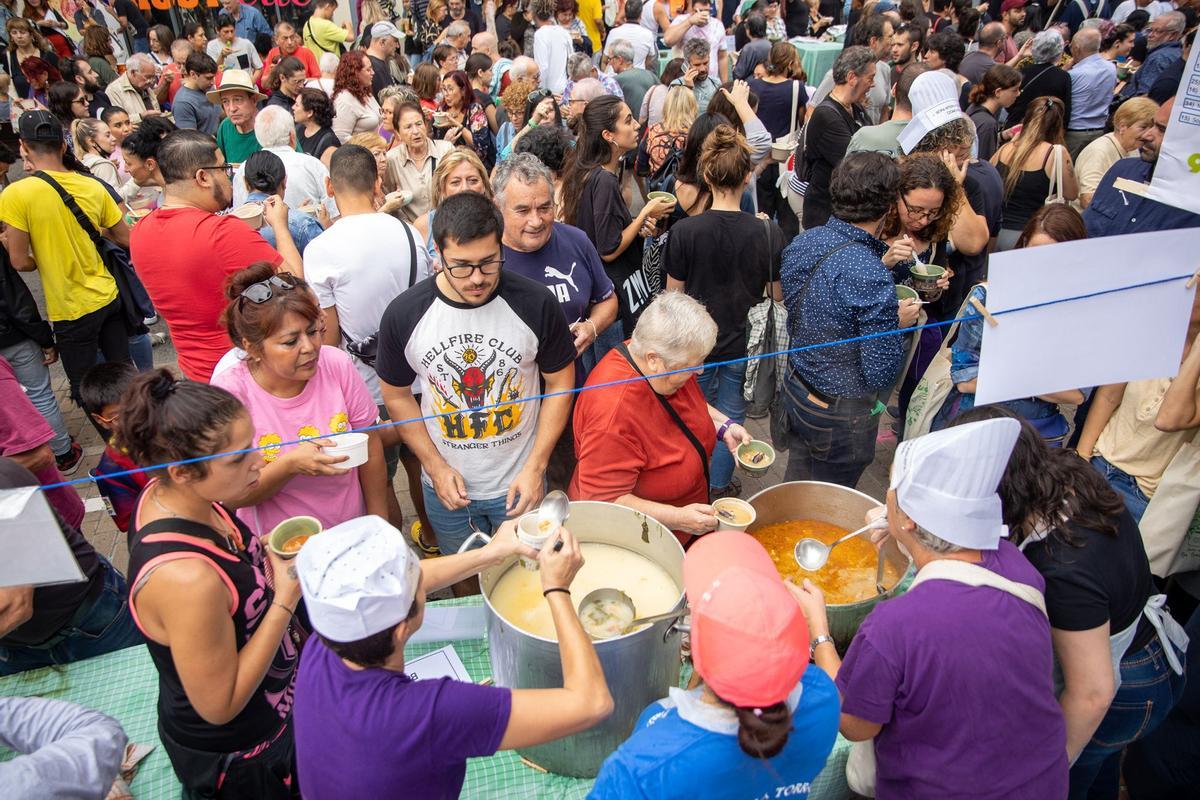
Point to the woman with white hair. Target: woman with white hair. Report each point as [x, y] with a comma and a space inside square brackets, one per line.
[1045, 77]
[646, 444]
[328, 64]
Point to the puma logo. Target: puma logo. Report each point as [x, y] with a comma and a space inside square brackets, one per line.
[551, 272]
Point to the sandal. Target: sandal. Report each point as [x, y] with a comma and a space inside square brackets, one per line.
[414, 532]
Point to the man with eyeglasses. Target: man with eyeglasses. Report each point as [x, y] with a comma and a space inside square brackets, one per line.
[484, 344]
[184, 251]
[1163, 38]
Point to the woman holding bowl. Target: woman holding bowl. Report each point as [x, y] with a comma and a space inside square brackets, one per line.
[646, 444]
[462, 121]
[296, 389]
[215, 605]
[412, 162]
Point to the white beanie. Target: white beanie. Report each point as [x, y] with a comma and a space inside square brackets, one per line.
[358, 579]
[934, 100]
[946, 481]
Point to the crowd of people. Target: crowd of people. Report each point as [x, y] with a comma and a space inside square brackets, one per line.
[550, 241]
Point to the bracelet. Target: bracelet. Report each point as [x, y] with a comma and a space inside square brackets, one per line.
[817, 642]
[291, 611]
[725, 426]
[595, 333]
[567, 592]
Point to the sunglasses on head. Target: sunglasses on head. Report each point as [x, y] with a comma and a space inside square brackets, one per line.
[538, 94]
[261, 292]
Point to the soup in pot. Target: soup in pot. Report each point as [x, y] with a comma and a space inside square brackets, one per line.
[517, 596]
[848, 576]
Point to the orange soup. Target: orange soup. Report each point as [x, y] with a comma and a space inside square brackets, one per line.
[294, 544]
[848, 576]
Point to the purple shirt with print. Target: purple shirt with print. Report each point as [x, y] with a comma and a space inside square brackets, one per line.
[961, 678]
[376, 733]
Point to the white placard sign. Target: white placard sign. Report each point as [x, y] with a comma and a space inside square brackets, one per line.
[1110, 338]
[451, 624]
[35, 550]
[1176, 180]
[443, 663]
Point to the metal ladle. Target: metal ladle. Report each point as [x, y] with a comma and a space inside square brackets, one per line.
[619, 597]
[812, 554]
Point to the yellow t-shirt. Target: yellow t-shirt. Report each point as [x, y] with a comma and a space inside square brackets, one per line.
[75, 280]
[589, 12]
[324, 36]
[1131, 443]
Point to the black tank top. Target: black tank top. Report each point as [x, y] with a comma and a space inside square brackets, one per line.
[270, 707]
[1030, 193]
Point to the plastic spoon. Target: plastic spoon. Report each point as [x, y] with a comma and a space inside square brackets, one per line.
[812, 554]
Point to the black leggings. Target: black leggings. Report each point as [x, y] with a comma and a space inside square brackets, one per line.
[81, 341]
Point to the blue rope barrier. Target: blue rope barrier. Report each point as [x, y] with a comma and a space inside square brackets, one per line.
[548, 395]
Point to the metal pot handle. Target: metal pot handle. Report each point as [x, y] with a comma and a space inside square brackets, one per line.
[470, 540]
[676, 627]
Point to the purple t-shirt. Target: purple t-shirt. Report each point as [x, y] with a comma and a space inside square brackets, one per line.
[961, 678]
[375, 733]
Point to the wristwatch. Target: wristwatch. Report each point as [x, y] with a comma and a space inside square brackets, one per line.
[817, 642]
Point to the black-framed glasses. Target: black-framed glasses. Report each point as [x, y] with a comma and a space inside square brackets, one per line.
[486, 267]
[228, 169]
[261, 292]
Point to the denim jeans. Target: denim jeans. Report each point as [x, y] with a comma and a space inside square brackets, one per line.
[829, 445]
[452, 527]
[722, 387]
[107, 627]
[609, 338]
[141, 350]
[1165, 765]
[26, 360]
[1125, 485]
[1149, 690]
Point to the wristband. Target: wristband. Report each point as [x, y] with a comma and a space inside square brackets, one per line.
[567, 592]
[725, 426]
[291, 611]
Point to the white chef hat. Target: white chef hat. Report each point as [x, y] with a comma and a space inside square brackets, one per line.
[934, 100]
[358, 578]
[946, 481]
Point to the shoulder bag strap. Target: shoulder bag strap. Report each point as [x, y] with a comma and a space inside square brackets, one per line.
[795, 102]
[412, 253]
[670, 409]
[975, 575]
[74, 208]
[1059, 194]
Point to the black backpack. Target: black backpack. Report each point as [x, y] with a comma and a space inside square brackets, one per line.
[663, 178]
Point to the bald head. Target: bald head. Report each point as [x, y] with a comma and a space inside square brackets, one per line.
[1086, 42]
[484, 42]
[990, 37]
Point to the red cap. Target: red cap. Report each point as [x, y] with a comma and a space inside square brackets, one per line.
[1009, 5]
[749, 638]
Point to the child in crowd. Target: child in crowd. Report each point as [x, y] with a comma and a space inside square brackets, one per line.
[100, 394]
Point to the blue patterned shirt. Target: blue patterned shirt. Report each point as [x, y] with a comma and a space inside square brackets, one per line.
[853, 294]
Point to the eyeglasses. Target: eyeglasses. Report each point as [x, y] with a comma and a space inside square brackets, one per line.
[261, 292]
[228, 169]
[465, 270]
[927, 214]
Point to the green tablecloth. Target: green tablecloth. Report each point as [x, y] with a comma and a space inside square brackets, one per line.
[817, 58]
[124, 685]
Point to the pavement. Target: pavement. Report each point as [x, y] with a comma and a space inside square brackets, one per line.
[99, 529]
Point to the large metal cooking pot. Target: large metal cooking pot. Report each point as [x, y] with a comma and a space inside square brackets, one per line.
[836, 505]
[638, 666]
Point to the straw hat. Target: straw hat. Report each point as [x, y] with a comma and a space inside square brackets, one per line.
[235, 80]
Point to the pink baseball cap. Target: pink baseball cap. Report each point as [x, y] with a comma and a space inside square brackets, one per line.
[749, 637]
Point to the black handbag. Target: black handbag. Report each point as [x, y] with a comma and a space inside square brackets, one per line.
[135, 301]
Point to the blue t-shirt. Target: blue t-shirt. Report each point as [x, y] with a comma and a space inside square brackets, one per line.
[683, 747]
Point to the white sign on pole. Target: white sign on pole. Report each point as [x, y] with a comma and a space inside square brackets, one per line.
[1109, 338]
[35, 550]
[1176, 180]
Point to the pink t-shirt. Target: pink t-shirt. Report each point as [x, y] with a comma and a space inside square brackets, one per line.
[336, 399]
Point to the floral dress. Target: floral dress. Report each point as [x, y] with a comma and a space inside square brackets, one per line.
[484, 143]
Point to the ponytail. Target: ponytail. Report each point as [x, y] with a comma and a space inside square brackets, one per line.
[1000, 76]
[763, 732]
[164, 420]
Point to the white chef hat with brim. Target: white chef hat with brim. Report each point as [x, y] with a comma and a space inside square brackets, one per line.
[357, 578]
[934, 100]
[946, 481]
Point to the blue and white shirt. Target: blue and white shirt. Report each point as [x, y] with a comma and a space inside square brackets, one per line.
[683, 747]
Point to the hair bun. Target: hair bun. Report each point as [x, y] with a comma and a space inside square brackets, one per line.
[163, 386]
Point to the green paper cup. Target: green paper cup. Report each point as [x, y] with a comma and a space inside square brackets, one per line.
[755, 457]
[290, 529]
[925, 279]
[906, 292]
[664, 195]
